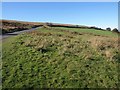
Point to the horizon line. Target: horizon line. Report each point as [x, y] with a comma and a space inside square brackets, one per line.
[57, 23]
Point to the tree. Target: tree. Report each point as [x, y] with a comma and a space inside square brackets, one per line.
[115, 30]
[77, 26]
[49, 24]
[108, 29]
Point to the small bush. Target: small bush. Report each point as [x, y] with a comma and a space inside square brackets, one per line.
[115, 30]
[108, 29]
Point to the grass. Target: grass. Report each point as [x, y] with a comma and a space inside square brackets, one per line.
[0, 64]
[91, 31]
[58, 58]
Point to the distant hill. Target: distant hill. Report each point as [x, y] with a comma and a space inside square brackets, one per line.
[14, 25]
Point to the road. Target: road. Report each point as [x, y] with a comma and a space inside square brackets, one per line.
[16, 33]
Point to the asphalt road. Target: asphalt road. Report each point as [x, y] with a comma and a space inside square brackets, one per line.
[16, 33]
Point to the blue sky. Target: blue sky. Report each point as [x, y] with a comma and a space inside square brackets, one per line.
[100, 14]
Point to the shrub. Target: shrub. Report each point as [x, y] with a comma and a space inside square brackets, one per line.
[115, 30]
[108, 29]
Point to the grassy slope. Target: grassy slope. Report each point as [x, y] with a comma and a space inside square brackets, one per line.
[91, 31]
[58, 58]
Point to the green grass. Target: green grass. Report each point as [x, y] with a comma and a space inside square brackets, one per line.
[51, 58]
[91, 31]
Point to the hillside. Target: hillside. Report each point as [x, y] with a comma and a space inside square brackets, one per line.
[13, 25]
[9, 26]
[61, 57]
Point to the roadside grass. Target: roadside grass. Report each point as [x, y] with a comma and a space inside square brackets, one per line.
[51, 58]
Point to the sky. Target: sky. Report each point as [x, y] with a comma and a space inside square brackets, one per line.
[60, 0]
[99, 14]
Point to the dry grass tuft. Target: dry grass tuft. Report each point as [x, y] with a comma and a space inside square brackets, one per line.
[102, 43]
